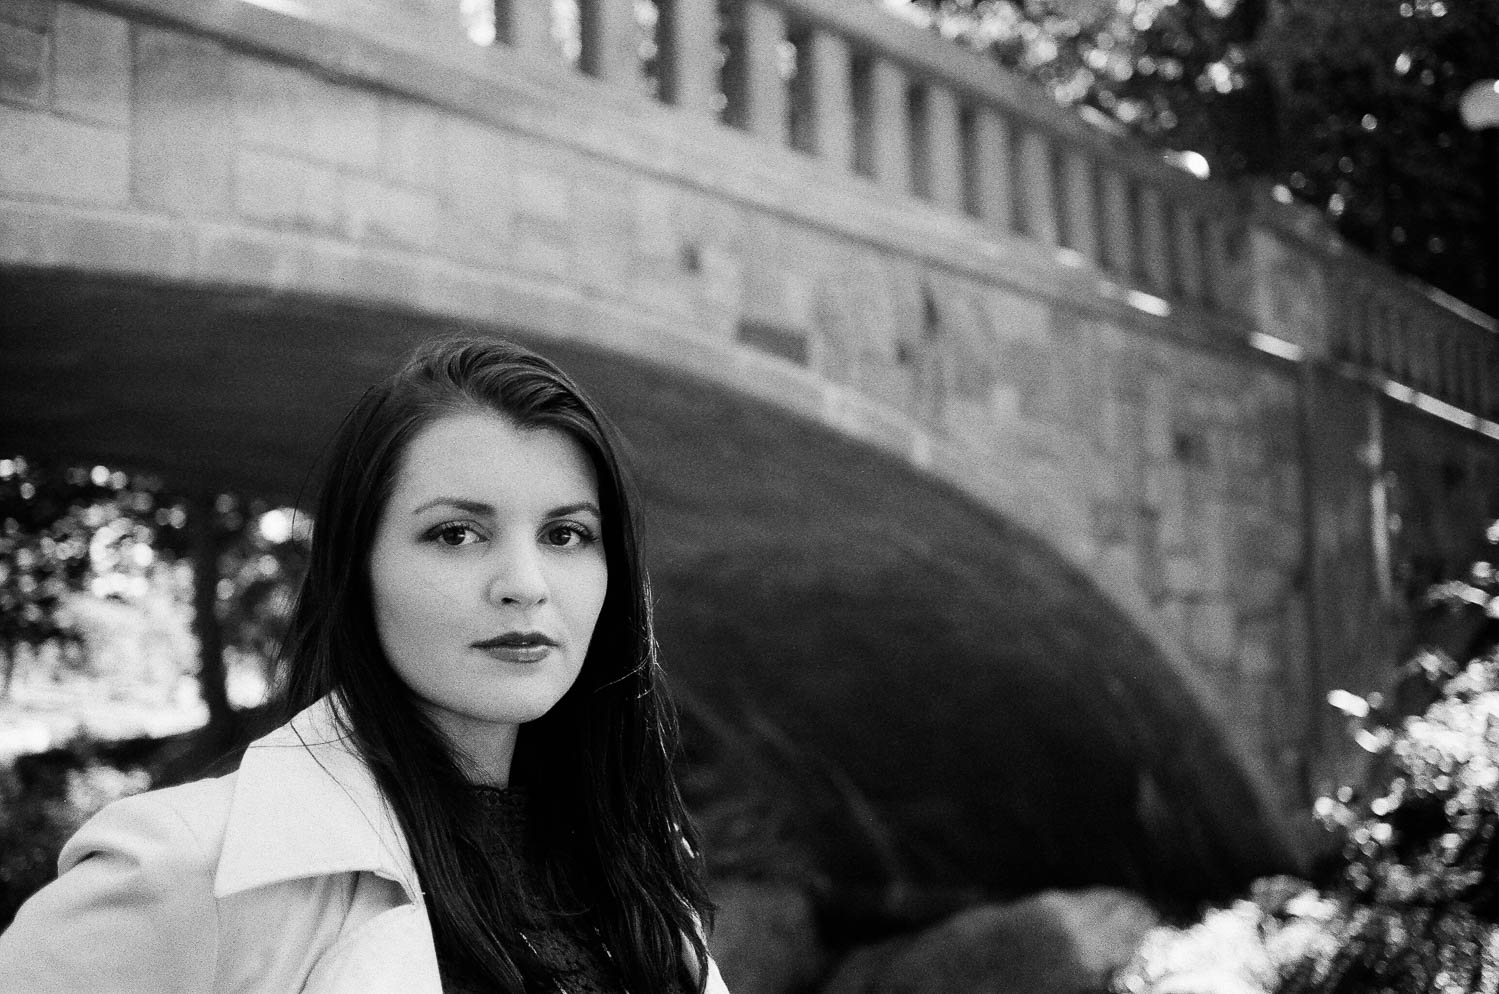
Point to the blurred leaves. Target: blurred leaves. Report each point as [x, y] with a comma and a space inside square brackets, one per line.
[74, 539]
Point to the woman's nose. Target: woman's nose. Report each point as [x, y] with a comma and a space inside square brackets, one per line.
[518, 579]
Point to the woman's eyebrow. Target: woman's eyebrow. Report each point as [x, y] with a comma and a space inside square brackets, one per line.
[459, 503]
[583, 507]
[478, 507]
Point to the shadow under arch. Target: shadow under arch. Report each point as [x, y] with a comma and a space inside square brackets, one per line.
[1012, 727]
[1003, 717]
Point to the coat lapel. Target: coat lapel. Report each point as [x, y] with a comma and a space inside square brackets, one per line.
[305, 805]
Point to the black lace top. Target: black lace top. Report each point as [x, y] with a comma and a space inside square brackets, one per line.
[567, 947]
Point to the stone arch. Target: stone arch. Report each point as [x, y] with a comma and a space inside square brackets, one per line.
[998, 708]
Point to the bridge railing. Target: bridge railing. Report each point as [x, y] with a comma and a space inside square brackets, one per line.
[870, 94]
[1414, 339]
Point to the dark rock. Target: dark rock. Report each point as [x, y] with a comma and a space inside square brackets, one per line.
[765, 940]
[1055, 942]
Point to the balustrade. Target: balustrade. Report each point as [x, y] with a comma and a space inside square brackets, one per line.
[872, 96]
[1390, 326]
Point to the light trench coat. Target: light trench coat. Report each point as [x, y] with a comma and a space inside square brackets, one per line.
[289, 875]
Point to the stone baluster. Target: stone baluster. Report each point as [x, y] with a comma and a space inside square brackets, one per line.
[1155, 246]
[919, 140]
[1388, 338]
[1473, 366]
[1217, 269]
[1450, 389]
[944, 154]
[1362, 327]
[1037, 188]
[1336, 345]
[1426, 360]
[1188, 242]
[1412, 345]
[1390, 329]
[688, 35]
[1400, 350]
[525, 25]
[1458, 352]
[1379, 335]
[1339, 325]
[991, 164]
[1488, 379]
[890, 126]
[1441, 346]
[762, 90]
[1371, 350]
[1453, 353]
[829, 61]
[1460, 372]
[1420, 359]
[1453, 391]
[1367, 330]
[1079, 205]
[1118, 223]
[1407, 350]
[1467, 391]
[609, 44]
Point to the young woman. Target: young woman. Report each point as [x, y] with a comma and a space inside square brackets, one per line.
[474, 789]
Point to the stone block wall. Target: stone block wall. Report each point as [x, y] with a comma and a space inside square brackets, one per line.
[64, 82]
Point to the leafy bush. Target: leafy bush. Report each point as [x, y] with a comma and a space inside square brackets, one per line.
[1415, 904]
[44, 799]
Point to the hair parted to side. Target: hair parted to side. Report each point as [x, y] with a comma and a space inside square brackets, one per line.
[596, 768]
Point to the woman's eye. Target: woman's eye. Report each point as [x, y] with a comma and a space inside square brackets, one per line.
[568, 535]
[454, 533]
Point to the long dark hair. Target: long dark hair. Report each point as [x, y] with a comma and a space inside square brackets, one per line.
[596, 768]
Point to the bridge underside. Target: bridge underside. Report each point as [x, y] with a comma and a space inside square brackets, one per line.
[977, 712]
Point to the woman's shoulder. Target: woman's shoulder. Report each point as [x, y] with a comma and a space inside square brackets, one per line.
[176, 825]
[137, 876]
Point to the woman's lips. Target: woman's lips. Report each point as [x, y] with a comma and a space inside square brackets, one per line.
[515, 653]
[517, 647]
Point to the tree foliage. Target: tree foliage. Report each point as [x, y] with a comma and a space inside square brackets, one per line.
[77, 532]
[1351, 104]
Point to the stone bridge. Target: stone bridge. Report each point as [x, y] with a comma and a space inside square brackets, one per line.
[1054, 485]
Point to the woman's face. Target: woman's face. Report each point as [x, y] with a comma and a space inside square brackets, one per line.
[487, 574]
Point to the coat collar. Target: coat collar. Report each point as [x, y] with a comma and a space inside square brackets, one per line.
[306, 805]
